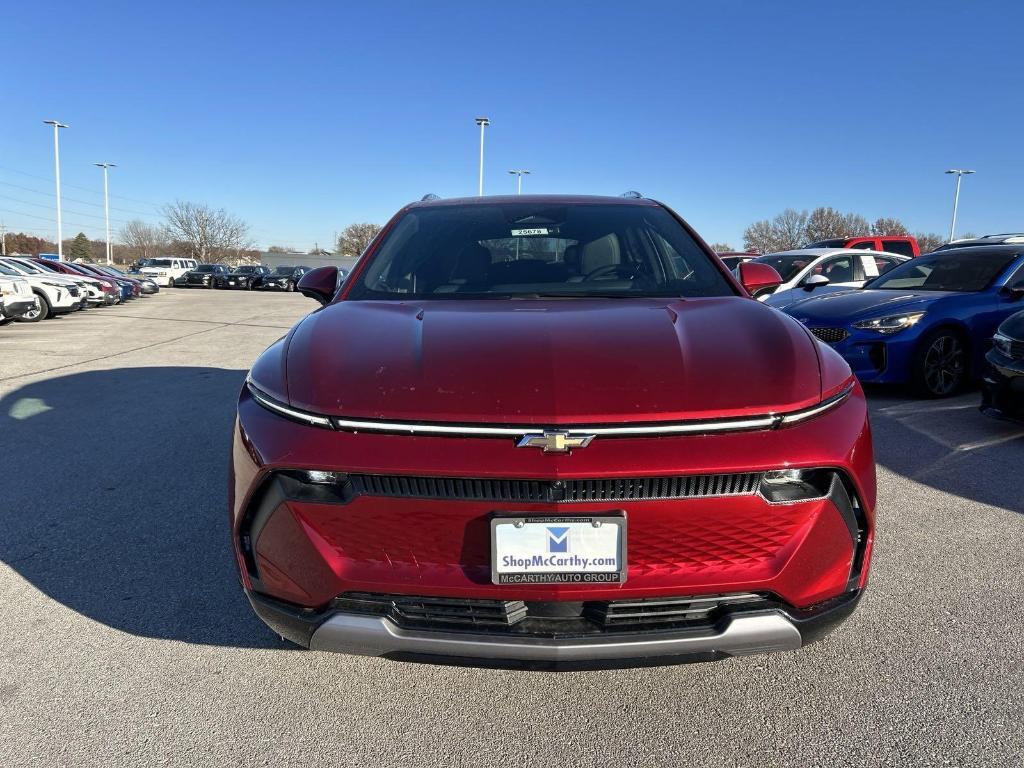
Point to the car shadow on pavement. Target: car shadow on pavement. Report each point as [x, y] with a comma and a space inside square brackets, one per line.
[949, 445]
[114, 500]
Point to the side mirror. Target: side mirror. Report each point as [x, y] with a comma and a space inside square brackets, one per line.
[320, 284]
[814, 281]
[1013, 293]
[758, 278]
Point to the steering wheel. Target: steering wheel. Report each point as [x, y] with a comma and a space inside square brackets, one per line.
[612, 269]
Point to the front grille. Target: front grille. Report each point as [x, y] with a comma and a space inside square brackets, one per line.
[618, 614]
[408, 611]
[73, 290]
[541, 491]
[544, 618]
[830, 335]
[1017, 350]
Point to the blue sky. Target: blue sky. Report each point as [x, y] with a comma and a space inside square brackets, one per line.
[304, 117]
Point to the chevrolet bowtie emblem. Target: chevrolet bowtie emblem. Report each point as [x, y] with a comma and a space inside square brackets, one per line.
[555, 441]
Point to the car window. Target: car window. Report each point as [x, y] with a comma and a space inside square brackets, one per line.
[539, 249]
[885, 264]
[787, 265]
[959, 269]
[901, 247]
[867, 245]
[838, 269]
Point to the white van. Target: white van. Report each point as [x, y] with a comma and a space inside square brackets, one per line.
[164, 271]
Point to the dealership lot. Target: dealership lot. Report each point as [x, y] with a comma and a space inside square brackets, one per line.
[126, 639]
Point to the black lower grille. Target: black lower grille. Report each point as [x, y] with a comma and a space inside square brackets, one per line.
[632, 614]
[548, 618]
[830, 335]
[605, 489]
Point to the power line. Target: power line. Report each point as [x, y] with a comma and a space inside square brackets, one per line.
[73, 199]
[75, 186]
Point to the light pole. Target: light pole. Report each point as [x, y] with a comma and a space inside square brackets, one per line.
[106, 202]
[57, 125]
[483, 122]
[956, 197]
[519, 173]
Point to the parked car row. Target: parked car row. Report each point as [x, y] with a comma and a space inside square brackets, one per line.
[934, 323]
[33, 289]
[188, 273]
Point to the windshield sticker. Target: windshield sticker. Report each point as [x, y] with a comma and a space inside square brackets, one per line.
[529, 232]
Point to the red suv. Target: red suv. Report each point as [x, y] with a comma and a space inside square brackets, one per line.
[555, 432]
[905, 245]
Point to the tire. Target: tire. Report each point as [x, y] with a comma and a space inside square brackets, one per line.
[291, 286]
[170, 282]
[941, 364]
[39, 314]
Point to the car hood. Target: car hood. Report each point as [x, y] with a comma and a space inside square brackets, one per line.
[790, 296]
[848, 306]
[550, 361]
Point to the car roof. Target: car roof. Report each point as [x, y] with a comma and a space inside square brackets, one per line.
[534, 199]
[1015, 248]
[819, 252]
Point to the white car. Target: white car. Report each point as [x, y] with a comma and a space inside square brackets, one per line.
[16, 298]
[56, 294]
[165, 271]
[92, 290]
[806, 269]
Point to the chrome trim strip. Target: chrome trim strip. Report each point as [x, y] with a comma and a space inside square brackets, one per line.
[766, 421]
[273, 405]
[377, 636]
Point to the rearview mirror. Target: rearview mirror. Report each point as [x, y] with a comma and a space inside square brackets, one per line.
[320, 284]
[814, 281]
[758, 278]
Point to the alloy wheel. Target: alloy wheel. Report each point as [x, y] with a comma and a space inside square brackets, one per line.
[944, 365]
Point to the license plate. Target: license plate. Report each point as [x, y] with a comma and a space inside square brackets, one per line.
[558, 550]
[231, 282]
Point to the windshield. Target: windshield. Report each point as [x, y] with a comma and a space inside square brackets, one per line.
[284, 270]
[539, 249]
[788, 266]
[160, 263]
[244, 270]
[956, 270]
[206, 268]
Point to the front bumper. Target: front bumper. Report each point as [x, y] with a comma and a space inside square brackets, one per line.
[1002, 390]
[15, 306]
[874, 358]
[301, 550]
[737, 633]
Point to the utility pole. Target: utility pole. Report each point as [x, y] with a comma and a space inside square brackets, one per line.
[57, 125]
[483, 122]
[3, 239]
[106, 203]
[960, 173]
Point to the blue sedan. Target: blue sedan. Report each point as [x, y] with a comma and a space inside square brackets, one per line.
[927, 322]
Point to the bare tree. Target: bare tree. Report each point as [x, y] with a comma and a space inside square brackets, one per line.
[929, 241]
[354, 238]
[209, 234]
[722, 248]
[887, 225]
[786, 231]
[856, 225]
[825, 223]
[144, 240]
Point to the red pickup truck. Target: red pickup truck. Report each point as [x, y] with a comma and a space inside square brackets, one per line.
[904, 245]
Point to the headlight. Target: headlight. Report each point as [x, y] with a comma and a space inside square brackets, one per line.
[782, 486]
[1002, 343]
[890, 323]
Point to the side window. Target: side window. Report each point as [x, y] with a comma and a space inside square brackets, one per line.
[867, 245]
[902, 247]
[1017, 281]
[839, 269]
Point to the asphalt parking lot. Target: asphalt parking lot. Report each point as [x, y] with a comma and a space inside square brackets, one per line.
[126, 640]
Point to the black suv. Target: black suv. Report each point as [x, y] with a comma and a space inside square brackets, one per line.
[283, 278]
[202, 276]
[244, 277]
